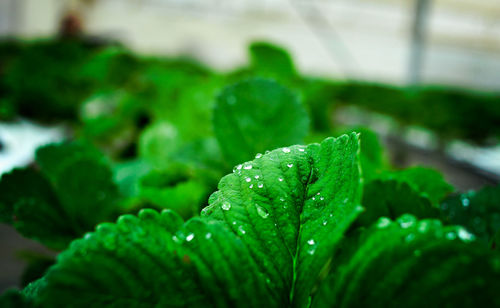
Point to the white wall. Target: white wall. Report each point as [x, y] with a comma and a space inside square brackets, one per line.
[365, 39]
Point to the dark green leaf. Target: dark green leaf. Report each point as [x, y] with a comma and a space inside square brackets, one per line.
[410, 263]
[429, 182]
[154, 260]
[478, 211]
[392, 199]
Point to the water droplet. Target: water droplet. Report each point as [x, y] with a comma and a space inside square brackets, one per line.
[175, 239]
[321, 198]
[226, 206]
[318, 194]
[451, 235]
[241, 231]
[409, 237]
[247, 167]
[248, 179]
[239, 166]
[346, 200]
[465, 202]
[259, 155]
[267, 152]
[234, 222]
[208, 235]
[257, 176]
[314, 198]
[301, 150]
[189, 237]
[423, 226]
[311, 242]
[465, 236]
[406, 221]
[282, 199]
[311, 251]
[87, 235]
[280, 179]
[325, 223]
[289, 165]
[251, 186]
[383, 222]
[260, 185]
[262, 211]
[286, 150]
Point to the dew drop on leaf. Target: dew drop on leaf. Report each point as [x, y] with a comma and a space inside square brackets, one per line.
[289, 165]
[465, 236]
[280, 179]
[383, 222]
[226, 206]
[208, 235]
[260, 185]
[262, 211]
[311, 242]
[248, 167]
[259, 155]
[286, 150]
[241, 231]
[248, 179]
[190, 237]
[451, 235]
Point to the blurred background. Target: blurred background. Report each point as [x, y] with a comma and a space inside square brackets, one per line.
[422, 74]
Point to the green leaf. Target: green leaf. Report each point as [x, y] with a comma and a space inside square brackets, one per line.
[271, 61]
[478, 211]
[157, 143]
[174, 189]
[290, 208]
[392, 199]
[13, 299]
[410, 263]
[70, 195]
[429, 182]
[244, 129]
[154, 260]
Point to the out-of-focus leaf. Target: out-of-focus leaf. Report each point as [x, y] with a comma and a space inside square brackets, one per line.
[157, 143]
[478, 211]
[269, 60]
[429, 182]
[410, 263]
[392, 199]
[257, 115]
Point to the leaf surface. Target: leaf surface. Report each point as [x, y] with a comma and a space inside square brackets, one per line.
[155, 260]
[242, 127]
[290, 207]
[410, 263]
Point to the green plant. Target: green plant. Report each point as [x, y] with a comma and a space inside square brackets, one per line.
[278, 232]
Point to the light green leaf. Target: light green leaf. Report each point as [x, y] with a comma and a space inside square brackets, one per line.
[256, 115]
[154, 260]
[271, 61]
[410, 263]
[290, 208]
[157, 142]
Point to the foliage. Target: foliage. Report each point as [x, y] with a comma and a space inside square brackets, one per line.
[141, 214]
